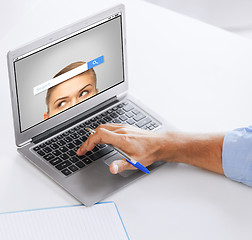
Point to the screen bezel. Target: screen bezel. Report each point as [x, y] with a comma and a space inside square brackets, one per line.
[27, 135]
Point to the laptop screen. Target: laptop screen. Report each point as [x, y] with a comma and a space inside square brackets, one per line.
[60, 75]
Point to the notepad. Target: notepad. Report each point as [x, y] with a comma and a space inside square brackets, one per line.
[101, 221]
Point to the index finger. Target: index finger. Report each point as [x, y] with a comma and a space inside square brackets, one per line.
[101, 136]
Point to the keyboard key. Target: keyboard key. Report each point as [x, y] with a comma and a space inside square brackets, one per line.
[75, 149]
[77, 142]
[86, 161]
[138, 117]
[77, 128]
[54, 146]
[47, 149]
[130, 121]
[83, 138]
[42, 145]
[70, 145]
[48, 157]
[71, 131]
[113, 115]
[102, 121]
[123, 118]
[135, 111]
[93, 119]
[73, 168]
[74, 159]
[101, 146]
[63, 149]
[128, 107]
[63, 165]
[95, 149]
[81, 132]
[61, 143]
[120, 111]
[74, 135]
[129, 114]
[36, 148]
[80, 164]
[101, 153]
[107, 119]
[143, 122]
[64, 156]
[89, 153]
[71, 153]
[41, 153]
[93, 125]
[68, 139]
[81, 157]
[56, 161]
[99, 116]
[151, 127]
[65, 134]
[48, 142]
[66, 172]
[82, 125]
[56, 152]
[54, 139]
[116, 121]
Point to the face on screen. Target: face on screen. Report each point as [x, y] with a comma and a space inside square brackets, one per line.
[70, 93]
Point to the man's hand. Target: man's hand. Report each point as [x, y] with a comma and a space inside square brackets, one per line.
[201, 150]
[141, 145]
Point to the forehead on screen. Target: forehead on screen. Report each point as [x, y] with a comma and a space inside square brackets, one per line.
[101, 42]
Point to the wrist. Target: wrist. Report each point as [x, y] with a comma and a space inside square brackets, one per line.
[169, 147]
[201, 150]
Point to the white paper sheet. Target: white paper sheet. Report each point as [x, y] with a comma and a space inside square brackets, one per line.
[101, 221]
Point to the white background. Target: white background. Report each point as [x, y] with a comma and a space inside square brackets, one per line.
[199, 80]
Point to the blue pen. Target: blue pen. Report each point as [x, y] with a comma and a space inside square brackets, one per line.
[127, 158]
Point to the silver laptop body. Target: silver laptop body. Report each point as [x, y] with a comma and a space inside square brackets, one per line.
[99, 42]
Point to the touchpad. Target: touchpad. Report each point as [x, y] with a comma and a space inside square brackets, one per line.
[119, 156]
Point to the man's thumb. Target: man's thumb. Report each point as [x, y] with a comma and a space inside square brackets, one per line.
[119, 166]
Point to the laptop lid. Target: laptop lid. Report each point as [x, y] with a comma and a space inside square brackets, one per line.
[67, 72]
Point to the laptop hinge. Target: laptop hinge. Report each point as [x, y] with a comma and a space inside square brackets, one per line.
[24, 143]
[121, 96]
[74, 120]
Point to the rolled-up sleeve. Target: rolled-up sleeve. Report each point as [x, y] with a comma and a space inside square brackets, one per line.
[237, 155]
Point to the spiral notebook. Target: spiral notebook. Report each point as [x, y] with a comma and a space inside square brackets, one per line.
[101, 221]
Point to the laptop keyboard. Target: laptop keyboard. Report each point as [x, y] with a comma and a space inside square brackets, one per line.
[60, 151]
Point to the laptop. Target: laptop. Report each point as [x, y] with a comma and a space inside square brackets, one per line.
[66, 81]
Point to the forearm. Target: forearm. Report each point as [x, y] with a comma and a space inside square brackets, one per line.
[204, 151]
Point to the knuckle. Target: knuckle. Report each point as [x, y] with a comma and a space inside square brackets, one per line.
[126, 139]
[99, 130]
[123, 131]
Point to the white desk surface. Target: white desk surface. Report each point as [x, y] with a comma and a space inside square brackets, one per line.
[195, 75]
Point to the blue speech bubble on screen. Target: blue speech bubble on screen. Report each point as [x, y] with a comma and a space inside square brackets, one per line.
[95, 62]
